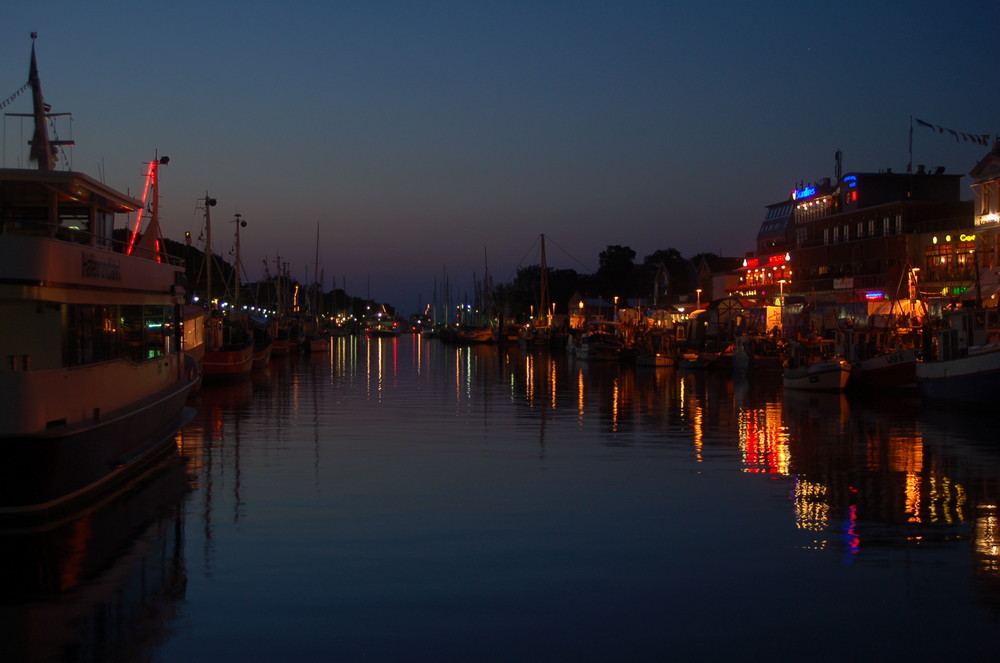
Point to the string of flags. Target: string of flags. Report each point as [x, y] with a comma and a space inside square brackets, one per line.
[979, 139]
[6, 102]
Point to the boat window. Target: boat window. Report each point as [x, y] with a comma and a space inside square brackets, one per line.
[145, 329]
[91, 334]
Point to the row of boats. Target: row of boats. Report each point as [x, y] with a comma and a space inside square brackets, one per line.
[954, 358]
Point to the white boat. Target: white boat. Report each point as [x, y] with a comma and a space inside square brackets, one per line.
[963, 364]
[812, 368]
[94, 377]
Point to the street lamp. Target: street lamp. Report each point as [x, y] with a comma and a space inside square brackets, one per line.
[698, 300]
[781, 289]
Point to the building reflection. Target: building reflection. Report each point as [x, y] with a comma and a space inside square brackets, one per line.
[862, 476]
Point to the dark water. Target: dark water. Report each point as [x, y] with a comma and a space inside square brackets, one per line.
[401, 499]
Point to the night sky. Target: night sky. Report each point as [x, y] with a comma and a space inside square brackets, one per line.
[425, 138]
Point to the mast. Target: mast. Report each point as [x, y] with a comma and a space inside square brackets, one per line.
[319, 286]
[42, 151]
[544, 286]
[240, 223]
[209, 204]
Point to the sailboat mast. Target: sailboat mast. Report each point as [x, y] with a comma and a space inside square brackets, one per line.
[316, 296]
[544, 286]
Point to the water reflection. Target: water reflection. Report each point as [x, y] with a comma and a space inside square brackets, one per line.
[100, 585]
[394, 467]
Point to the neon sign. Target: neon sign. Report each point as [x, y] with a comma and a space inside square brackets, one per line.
[852, 180]
[966, 238]
[799, 194]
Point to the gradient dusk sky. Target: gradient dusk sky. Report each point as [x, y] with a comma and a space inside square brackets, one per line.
[427, 137]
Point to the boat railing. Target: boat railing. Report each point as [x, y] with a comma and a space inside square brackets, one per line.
[79, 236]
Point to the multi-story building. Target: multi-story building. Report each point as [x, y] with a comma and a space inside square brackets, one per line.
[861, 238]
[986, 214]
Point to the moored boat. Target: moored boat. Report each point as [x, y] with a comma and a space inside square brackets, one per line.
[811, 367]
[599, 342]
[229, 349]
[470, 334]
[95, 376]
[262, 346]
[961, 363]
[894, 369]
[756, 354]
[383, 327]
[655, 359]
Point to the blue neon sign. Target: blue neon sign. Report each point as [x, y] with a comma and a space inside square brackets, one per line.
[799, 194]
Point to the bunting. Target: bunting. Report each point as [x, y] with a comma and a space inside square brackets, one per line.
[6, 102]
[979, 139]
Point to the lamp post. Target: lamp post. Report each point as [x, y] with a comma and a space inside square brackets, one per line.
[698, 300]
[781, 289]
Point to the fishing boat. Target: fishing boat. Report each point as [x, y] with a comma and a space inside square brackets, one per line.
[228, 341]
[229, 349]
[813, 366]
[599, 342]
[883, 347]
[756, 353]
[961, 362]
[262, 345]
[94, 376]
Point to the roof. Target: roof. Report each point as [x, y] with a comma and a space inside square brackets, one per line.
[75, 186]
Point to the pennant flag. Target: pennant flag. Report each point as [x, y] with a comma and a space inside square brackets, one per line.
[978, 139]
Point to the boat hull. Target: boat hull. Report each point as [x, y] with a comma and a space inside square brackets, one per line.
[48, 473]
[892, 370]
[657, 359]
[818, 376]
[228, 363]
[973, 379]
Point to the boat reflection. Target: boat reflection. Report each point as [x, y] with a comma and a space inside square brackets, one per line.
[102, 584]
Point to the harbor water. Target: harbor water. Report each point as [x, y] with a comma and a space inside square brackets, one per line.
[400, 499]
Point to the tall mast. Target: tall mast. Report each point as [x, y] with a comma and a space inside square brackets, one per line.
[319, 285]
[209, 204]
[42, 151]
[238, 220]
[544, 286]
